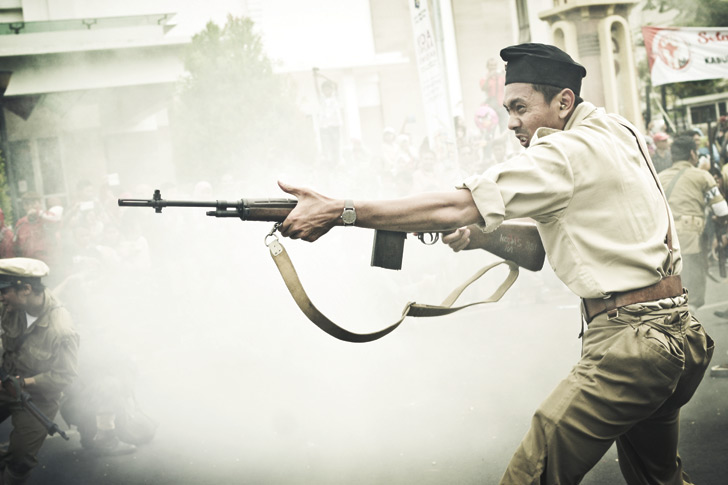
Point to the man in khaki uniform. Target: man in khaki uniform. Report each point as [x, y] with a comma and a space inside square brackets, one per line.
[40, 348]
[586, 179]
[662, 158]
[689, 191]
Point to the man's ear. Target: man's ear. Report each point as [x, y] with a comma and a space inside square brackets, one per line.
[566, 98]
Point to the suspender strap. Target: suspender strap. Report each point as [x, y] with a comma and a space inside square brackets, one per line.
[668, 287]
[643, 151]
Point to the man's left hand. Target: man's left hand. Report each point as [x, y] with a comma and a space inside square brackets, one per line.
[458, 239]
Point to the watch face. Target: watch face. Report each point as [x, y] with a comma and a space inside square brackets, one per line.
[349, 216]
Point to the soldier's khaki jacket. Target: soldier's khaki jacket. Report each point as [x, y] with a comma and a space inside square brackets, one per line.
[47, 351]
[692, 193]
[600, 213]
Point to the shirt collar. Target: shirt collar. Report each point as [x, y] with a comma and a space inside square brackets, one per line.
[584, 109]
[581, 112]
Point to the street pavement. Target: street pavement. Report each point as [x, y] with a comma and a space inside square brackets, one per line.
[439, 402]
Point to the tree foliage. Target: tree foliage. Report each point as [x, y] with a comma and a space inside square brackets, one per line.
[233, 114]
[694, 13]
[5, 202]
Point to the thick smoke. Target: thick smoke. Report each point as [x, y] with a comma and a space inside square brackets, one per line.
[241, 383]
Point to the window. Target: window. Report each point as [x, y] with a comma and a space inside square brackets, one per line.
[21, 161]
[51, 168]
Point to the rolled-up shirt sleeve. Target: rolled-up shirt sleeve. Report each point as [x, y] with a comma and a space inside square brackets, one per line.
[538, 183]
[488, 200]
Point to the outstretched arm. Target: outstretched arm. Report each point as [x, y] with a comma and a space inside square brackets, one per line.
[316, 214]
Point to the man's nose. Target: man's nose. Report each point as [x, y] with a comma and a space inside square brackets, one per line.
[513, 122]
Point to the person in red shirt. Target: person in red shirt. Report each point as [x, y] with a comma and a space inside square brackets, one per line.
[32, 232]
[7, 238]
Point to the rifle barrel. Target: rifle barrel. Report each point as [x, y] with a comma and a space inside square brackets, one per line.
[246, 209]
[175, 203]
[51, 427]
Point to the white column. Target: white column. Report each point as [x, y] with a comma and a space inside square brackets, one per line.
[352, 121]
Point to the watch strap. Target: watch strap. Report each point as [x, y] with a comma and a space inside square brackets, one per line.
[348, 208]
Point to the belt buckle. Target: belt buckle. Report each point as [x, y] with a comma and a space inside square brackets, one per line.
[611, 314]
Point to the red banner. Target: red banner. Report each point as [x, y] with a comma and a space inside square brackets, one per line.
[678, 54]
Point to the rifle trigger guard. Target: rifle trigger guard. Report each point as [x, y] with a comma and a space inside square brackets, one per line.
[428, 238]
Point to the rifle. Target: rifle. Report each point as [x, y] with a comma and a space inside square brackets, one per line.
[11, 385]
[518, 242]
[720, 248]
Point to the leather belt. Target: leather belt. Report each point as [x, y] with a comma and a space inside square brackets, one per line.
[668, 287]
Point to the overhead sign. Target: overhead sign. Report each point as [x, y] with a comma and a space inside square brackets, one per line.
[432, 80]
[686, 53]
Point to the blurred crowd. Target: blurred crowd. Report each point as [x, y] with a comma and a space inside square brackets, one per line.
[82, 238]
[90, 243]
[712, 147]
[403, 164]
[712, 150]
[105, 259]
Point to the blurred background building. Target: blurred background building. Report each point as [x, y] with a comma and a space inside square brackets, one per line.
[87, 86]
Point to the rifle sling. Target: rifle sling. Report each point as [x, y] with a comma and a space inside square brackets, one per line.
[673, 182]
[293, 283]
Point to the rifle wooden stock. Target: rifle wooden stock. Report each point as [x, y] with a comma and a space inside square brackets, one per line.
[515, 241]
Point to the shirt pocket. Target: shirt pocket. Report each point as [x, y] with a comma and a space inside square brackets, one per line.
[40, 358]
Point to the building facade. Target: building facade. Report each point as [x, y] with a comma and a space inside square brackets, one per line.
[88, 85]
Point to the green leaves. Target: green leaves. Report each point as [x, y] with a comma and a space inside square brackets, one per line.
[694, 13]
[233, 112]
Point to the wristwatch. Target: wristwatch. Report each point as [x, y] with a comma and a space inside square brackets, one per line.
[349, 214]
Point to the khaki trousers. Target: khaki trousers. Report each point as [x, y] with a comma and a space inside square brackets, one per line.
[635, 373]
[26, 438]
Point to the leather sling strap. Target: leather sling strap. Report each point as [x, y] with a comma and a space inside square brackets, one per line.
[673, 182]
[412, 309]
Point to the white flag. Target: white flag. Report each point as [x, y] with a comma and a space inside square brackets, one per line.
[432, 80]
[686, 53]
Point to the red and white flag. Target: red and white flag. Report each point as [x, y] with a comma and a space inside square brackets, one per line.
[678, 54]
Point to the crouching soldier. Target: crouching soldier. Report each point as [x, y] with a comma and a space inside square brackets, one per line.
[40, 347]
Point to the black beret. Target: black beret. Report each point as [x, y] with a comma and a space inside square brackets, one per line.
[542, 64]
